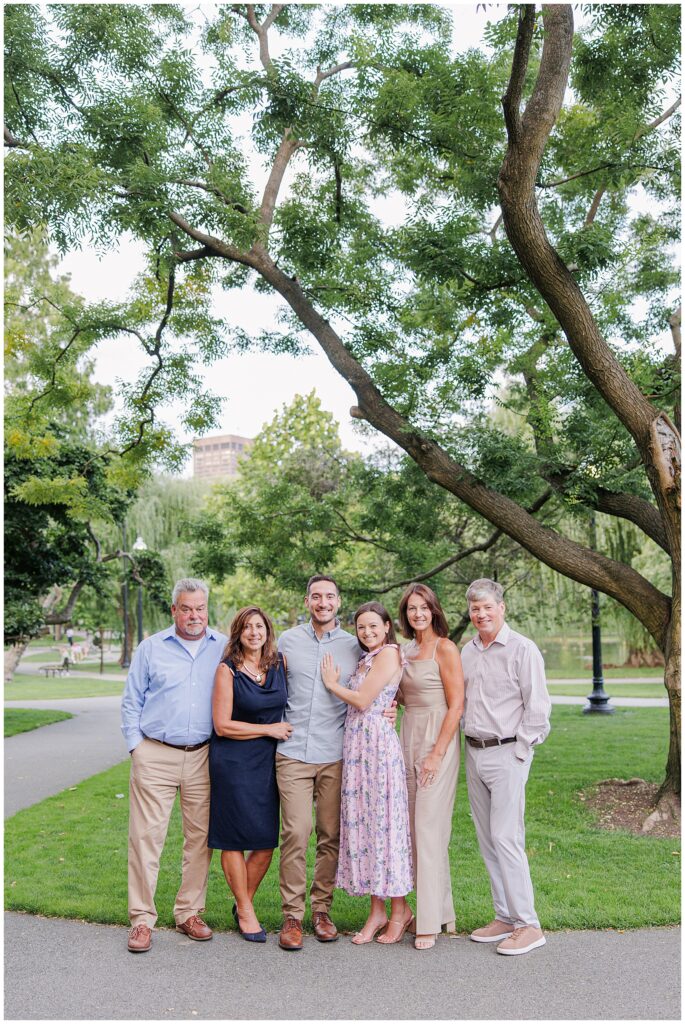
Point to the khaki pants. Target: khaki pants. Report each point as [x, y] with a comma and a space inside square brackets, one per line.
[302, 786]
[497, 793]
[158, 772]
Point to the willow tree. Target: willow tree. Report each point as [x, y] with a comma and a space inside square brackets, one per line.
[260, 147]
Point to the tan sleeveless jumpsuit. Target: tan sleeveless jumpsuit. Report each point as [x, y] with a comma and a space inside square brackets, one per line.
[430, 807]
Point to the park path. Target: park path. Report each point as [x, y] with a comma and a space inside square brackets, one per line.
[45, 761]
[69, 970]
[58, 970]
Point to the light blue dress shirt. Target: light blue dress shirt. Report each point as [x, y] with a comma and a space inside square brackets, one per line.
[317, 717]
[168, 693]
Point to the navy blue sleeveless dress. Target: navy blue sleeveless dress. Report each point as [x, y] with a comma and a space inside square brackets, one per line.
[243, 809]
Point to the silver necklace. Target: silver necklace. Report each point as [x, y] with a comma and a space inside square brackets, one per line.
[257, 676]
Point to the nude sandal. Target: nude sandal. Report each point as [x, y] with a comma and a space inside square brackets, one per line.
[405, 926]
[359, 941]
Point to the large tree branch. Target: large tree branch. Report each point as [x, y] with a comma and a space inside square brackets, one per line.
[285, 151]
[59, 618]
[659, 120]
[514, 93]
[526, 232]
[636, 510]
[571, 559]
[214, 245]
[261, 31]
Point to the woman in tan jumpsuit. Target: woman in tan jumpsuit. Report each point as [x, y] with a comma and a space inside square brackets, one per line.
[432, 691]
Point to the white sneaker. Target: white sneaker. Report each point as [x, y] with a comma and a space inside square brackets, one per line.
[522, 940]
[493, 932]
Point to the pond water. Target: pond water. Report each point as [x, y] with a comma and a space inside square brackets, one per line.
[573, 653]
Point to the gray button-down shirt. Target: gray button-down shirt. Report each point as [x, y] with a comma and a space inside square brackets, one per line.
[317, 717]
[506, 693]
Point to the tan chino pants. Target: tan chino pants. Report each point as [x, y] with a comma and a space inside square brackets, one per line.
[301, 787]
[158, 772]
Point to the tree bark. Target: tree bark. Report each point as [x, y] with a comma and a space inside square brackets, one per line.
[672, 782]
[13, 656]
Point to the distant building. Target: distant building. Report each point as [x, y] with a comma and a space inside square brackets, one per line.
[216, 458]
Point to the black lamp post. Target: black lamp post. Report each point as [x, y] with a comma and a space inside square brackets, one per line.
[598, 700]
[140, 545]
[125, 660]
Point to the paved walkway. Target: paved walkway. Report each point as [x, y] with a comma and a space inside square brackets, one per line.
[68, 970]
[62, 969]
[45, 761]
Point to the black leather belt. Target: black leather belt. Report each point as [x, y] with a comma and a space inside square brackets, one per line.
[187, 748]
[489, 743]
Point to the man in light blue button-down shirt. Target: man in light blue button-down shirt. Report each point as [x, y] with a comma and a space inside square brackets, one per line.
[166, 719]
[309, 764]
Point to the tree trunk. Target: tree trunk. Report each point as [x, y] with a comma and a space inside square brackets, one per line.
[13, 656]
[644, 658]
[671, 784]
[127, 641]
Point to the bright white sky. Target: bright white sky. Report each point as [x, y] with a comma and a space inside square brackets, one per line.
[255, 386]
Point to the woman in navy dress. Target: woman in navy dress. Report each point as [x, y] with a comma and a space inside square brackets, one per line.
[247, 706]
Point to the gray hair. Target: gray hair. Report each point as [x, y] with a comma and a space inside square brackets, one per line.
[188, 586]
[480, 590]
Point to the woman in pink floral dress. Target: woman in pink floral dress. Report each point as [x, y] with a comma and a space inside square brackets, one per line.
[375, 845]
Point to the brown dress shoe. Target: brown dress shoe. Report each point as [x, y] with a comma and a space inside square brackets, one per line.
[324, 929]
[195, 928]
[290, 936]
[139, 939]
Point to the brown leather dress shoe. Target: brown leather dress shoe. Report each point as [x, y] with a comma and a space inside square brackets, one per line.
[290, 936]
[139, 939]
[195, 928]
[324, 929]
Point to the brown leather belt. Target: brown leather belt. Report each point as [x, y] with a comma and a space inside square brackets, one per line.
[489, 743]
[187, 748]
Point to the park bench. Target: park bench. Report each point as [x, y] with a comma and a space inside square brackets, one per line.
[54, 670]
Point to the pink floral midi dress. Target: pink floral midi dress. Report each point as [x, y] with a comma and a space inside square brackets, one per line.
[375, 844]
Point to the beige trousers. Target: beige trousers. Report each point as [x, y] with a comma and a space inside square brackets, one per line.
[430, 819]
[158, 772]
[497, 793]
[301, 787]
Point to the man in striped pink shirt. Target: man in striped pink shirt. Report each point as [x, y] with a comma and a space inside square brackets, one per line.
[506, 714]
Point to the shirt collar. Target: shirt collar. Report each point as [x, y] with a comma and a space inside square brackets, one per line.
[329, 632]
[170, 633]
[501, 638]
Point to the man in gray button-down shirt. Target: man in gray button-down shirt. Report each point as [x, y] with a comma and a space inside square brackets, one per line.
[506, 713]
[309, 764]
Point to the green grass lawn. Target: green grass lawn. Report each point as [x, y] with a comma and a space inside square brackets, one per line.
[645, 689]
[67, 855]
[25, 687]
[24, 719]
[622, 672]
[91, 665]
